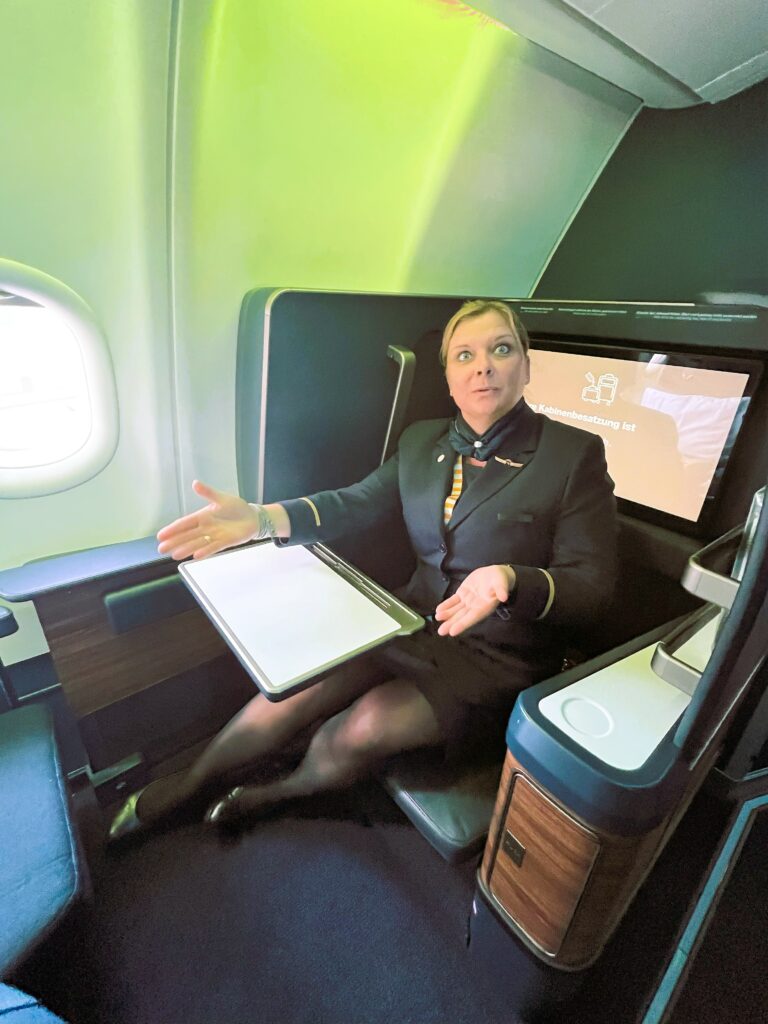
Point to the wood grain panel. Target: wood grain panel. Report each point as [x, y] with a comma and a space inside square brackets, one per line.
[623, 866]
[97, 667]
[541, 893]
[503, 796]
[620, 865]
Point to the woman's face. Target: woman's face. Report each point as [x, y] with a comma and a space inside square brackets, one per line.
[486, 369]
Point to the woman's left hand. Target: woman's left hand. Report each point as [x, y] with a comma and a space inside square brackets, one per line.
[478, 597]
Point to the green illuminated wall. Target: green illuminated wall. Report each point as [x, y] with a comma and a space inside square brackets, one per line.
[327, 129]
[163, 157]
[83, 138]
[408, 146]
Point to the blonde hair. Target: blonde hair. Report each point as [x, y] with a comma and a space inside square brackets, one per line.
[475, 308]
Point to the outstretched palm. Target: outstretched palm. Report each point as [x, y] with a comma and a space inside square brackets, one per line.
[224, 522]
[478, 597]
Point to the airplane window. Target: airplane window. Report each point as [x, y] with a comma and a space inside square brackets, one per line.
[58, 408]
[45, 413]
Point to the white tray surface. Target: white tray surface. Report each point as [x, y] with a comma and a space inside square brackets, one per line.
[287, 610]
[621, 713]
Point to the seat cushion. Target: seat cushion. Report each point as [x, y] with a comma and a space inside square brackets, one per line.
[18, 1008]
[450, 804]
[39, 876]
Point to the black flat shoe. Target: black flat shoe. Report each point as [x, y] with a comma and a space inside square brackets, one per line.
[127, 822]
[226, 813]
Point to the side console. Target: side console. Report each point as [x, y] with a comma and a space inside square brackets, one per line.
[599, 770]
[590, 789]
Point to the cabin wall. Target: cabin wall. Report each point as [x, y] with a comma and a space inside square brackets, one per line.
[680, 209]
[412, 146]
[83, 198]
[163, 157]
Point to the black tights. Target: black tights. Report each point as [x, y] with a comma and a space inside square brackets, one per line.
[361, 717]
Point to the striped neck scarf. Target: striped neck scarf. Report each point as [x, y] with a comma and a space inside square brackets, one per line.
[453, 497]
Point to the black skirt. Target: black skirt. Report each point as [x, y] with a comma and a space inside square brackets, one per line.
[470, 686]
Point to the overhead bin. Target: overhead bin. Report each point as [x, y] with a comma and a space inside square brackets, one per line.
[669, 55]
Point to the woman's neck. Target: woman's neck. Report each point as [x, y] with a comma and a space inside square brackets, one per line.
[480, 427]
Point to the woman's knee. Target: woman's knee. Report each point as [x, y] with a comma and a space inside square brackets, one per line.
[386, 718]
[301, 708]
[361, 732]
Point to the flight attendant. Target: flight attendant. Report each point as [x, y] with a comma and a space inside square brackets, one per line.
[512, 520]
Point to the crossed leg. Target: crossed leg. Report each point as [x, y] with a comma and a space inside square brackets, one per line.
[389, 719]
[260, 729]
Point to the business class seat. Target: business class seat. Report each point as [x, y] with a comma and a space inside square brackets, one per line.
[452, 805]
[40, 870]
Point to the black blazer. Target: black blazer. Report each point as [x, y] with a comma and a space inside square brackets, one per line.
[544, 504]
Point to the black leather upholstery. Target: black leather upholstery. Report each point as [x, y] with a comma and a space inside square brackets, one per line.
[8, 623]
[451, 805]
[39, 864]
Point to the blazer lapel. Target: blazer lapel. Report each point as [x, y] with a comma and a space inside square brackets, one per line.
[430, 478]
[501, 469]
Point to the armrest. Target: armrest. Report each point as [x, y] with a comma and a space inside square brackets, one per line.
[26, 582]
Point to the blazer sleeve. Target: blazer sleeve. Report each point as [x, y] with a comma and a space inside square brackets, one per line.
[579, 581]
[329, 514]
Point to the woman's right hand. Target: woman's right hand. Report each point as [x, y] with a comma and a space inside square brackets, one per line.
[224, 522]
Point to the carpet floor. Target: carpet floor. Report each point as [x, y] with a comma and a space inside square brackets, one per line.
[333, 912]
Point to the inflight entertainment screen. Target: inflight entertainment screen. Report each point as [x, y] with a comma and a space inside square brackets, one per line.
[669, 421]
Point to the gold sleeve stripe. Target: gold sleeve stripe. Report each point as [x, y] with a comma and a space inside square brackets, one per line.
[551, 597]
[313, 506]
[453, 497]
